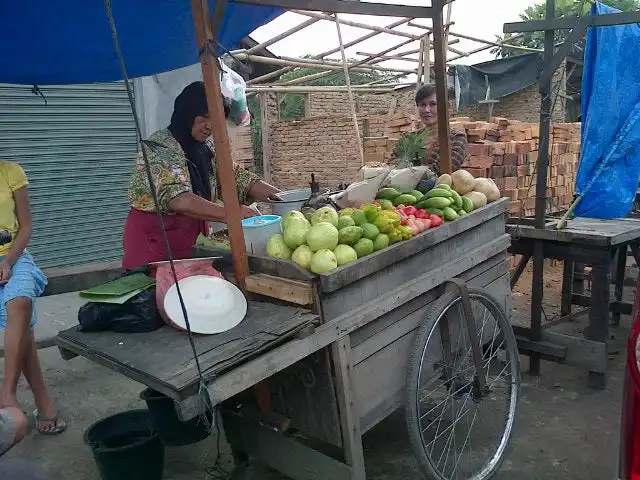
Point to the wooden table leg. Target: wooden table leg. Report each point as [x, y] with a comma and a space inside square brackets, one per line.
[598, 329]
[620, 272]
[349, 414]
[567, 288]
[578, 278]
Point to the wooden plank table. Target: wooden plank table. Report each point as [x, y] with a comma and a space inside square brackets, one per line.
[163, 359]
[585, 241]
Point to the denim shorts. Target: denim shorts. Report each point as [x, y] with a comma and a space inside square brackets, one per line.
[26, 281]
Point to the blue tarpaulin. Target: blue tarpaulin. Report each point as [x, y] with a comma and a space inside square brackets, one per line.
[66, 42]
[610, 163]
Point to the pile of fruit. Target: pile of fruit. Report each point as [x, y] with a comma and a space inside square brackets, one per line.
[449, 198]
[324, 239]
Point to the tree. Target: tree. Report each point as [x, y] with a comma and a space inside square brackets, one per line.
[564, 8]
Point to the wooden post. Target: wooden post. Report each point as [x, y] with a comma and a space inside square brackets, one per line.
[266, 145]
[211, 76]
[349, 91]
[426, 60]
[439, 65]
[419, 81]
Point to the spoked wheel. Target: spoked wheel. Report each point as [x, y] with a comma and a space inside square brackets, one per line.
[460, 424]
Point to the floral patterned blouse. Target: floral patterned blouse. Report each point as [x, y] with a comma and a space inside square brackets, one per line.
[171, 175]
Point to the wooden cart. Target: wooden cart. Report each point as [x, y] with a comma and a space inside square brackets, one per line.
[336, 363]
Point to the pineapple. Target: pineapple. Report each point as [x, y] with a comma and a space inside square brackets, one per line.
[410, 149]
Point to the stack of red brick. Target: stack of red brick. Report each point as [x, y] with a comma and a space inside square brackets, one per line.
[507, 151]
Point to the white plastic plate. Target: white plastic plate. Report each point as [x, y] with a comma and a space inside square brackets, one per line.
[213, 304]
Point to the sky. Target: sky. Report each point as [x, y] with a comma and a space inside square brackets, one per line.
[478, 18]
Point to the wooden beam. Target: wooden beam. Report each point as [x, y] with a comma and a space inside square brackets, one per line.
[487, 47]
[347, 6]
[292, 291]
[266, 145]
[352, 103]
[312, 63]
[211, 76]
[318, 89]
[442, 93]
[320, 56]
[283, 35]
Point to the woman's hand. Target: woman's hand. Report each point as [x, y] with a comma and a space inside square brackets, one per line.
[262, 191]
[248, 212]
[5, 272]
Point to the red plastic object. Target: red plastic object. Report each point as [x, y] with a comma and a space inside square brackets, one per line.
[184, 269]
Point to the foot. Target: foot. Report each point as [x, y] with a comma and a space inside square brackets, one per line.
[49, 425]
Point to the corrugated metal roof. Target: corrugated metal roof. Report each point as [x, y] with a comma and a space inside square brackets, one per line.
[78, 152]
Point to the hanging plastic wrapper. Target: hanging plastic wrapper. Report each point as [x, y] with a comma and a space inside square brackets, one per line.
[234, 89]
[369, 180]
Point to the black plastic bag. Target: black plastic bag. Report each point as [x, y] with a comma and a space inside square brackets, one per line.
[137, 315]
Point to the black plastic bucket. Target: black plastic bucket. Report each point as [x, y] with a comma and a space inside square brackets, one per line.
[125, 446]
[174, 432]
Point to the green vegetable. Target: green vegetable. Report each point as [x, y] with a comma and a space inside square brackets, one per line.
[404, 199]
[449, 214]
[443, 185]
[277, 248]
[385, 204]
[438, 192]
[435, 211]
[371, 212]
[416, 194]
[323, 261]
[380, 242]
[350, 235]
[345, 254]
[345, 221]
[467, 204]
[387, 193]
[302, 256]
[370, 231]
[437, 202]
[363, 247]
[359, 217]
[457, 199]
[322, 236]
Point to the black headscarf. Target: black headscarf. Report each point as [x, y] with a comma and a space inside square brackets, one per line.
[192, 103]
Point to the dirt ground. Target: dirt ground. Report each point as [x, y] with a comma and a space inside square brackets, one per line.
[564, 430]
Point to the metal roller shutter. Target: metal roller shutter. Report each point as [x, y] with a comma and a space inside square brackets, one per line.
[78, 152]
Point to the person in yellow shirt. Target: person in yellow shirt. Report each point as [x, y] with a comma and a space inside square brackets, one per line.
[21, 282]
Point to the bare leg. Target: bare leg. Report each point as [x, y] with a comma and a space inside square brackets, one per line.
[33, 374]
[16, 344]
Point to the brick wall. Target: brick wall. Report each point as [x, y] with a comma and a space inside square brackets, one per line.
[325, 146]
[525, 104]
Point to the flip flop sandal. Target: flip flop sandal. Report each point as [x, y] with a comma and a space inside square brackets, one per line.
[54, 430]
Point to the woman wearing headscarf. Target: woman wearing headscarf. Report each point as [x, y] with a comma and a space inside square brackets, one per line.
[186, 182]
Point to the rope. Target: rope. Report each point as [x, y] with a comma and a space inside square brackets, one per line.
[216, 470]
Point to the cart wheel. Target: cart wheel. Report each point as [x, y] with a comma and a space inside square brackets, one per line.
[456, 430]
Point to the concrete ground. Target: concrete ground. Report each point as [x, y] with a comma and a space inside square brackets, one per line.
[565, 430]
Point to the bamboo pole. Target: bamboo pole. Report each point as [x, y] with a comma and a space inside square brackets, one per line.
[312, 63]
[401, 55]
[320, 56]
[315, 76]
[211, 76]
[282, 36]
[320, 88]
[442, 96]
[347, 80]
[420, 62]
[426, 62]
[349, 23]
[479, 40]
[487, 47]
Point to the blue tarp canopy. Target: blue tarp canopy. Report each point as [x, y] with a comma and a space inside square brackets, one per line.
[610, 162]
[68, 42]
